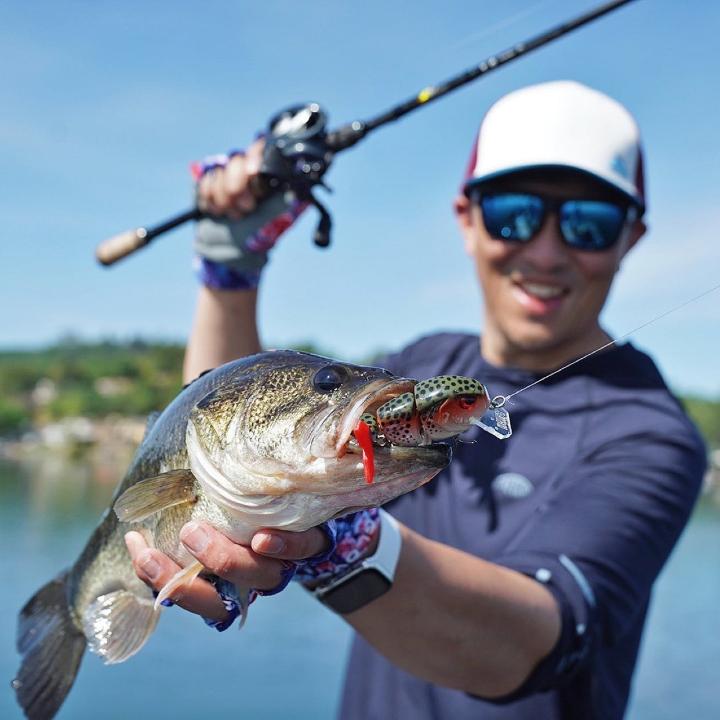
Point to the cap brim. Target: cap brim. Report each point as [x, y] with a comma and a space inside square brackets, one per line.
[616, 184]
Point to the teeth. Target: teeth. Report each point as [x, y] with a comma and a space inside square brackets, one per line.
[544, 292]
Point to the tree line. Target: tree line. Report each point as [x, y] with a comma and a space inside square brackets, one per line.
[72, 378]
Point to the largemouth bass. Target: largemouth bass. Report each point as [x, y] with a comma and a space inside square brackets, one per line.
[265, 441]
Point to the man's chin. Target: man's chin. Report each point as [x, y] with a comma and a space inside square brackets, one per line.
[537, 346]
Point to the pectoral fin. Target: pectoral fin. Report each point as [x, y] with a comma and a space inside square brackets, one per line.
[150, 496]
[183, 577]
[118, 624]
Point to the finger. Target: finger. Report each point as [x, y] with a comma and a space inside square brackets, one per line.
[228, 560]
[254, 157]
[286, 545]
[240, 197]
[250, 197]
[203, 192]
[245, 201]
[218, 191]
[235, 175]
[156, 569]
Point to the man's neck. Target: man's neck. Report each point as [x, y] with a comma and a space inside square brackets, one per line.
[502, 352]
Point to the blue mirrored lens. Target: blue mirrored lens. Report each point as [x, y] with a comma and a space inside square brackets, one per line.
[512, 216]
[591, 224]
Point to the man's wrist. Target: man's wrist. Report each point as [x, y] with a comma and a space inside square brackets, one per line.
[311, 582]
[369, 577]
[355, 535]
[217, 276]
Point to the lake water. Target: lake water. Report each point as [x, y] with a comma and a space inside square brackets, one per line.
[288, 660]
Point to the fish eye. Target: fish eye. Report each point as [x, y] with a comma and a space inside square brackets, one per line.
[329, 378]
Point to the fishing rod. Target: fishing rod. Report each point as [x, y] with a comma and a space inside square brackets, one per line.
[299, 149]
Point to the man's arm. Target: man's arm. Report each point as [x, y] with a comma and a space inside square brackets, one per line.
[459, 621]
[224, 329]
[450, 617]
[225, 325]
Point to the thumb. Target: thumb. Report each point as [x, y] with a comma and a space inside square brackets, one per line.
[286, 545]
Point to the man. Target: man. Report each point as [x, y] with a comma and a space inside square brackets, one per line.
[525, 569]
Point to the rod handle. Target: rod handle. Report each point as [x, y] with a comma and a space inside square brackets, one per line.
[119, 246]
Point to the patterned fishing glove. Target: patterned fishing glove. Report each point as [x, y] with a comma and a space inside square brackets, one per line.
[230, 254]
[353, 535]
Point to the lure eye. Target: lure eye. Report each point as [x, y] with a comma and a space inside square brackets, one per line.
[329, 378]
[467, 402]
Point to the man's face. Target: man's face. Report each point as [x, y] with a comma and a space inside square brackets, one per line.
[542, 297]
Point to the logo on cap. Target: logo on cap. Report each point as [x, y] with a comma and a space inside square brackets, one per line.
[620, 166]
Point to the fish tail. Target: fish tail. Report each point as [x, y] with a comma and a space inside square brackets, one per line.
[51, 646]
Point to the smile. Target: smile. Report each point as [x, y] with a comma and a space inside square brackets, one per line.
[543, 291]
[539, 298]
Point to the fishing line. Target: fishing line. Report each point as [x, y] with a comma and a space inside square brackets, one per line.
[500, 400]
[501, 24]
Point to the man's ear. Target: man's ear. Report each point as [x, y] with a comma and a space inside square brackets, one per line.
[637, 230]
[463, 213]
[634, 233]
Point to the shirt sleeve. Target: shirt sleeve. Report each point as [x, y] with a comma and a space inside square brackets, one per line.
[600, 542]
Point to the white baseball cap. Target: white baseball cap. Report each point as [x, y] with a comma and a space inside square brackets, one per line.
[561, 124]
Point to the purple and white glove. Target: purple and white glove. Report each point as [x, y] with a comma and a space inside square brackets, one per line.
[354, 534]
[231, 253]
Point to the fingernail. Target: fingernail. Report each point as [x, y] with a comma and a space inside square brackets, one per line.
[131, 542]
[268, 544]
[194, 537]
[149, 566]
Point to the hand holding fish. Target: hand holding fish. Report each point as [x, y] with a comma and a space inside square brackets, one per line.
[259, 566]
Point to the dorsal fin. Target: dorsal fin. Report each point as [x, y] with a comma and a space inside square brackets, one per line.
[150, 424]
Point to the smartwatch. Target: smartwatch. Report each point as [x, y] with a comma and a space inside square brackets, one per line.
[368, 580]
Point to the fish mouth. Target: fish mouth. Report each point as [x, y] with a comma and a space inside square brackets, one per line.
[369, 402]
[375, 394]
[414, 467]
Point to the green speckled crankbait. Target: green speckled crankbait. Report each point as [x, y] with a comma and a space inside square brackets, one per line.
[438, 408]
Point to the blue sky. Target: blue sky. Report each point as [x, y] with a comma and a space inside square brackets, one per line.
[104, 105]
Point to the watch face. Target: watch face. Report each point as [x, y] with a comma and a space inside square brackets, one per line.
[357, 591]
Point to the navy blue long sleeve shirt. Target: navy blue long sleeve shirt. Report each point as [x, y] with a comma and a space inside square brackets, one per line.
[588, 497]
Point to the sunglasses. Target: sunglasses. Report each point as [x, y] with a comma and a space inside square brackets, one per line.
[593, 225]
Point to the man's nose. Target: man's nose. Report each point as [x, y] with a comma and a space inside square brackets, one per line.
[546, 250]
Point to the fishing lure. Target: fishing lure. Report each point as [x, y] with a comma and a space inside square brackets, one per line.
[438, 408]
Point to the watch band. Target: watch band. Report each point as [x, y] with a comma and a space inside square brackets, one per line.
[368, 580]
